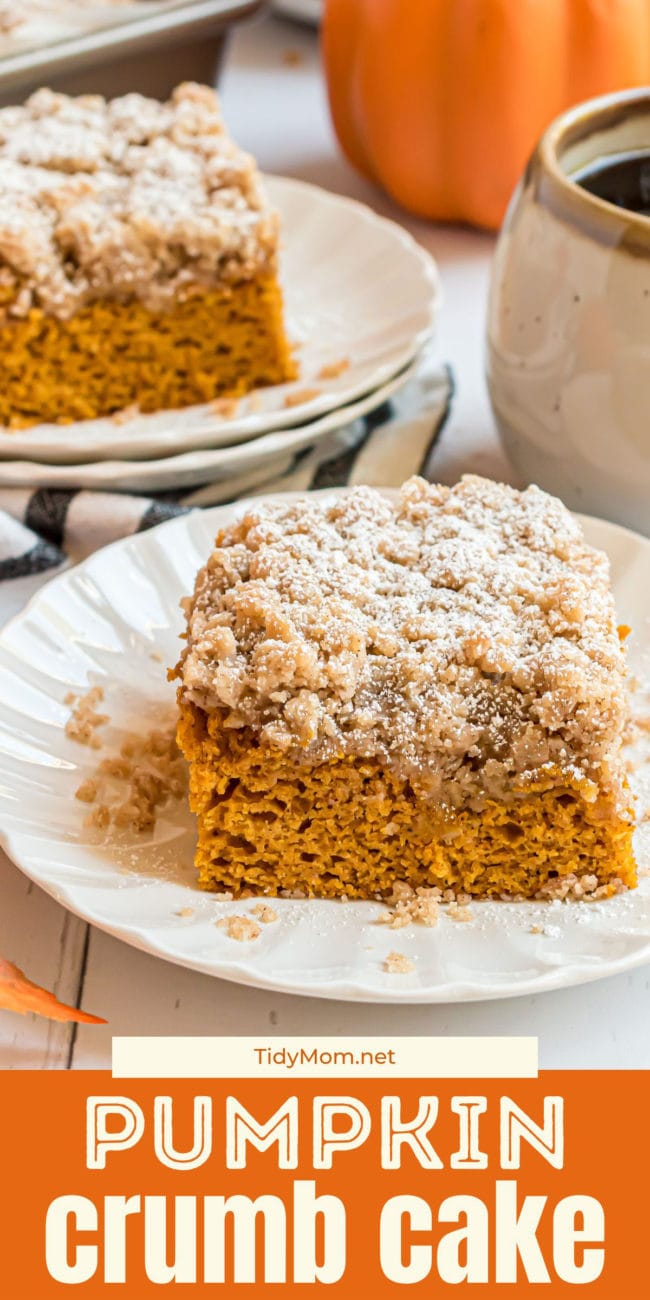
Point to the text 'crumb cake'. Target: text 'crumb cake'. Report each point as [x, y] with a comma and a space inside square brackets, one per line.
[138, 259]
[427, 688]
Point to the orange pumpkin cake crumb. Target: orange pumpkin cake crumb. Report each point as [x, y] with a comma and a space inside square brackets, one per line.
[138, 259]
[422, 692]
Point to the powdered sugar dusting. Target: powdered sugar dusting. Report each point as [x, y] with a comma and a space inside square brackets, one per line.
[125, 198]
[465, 635]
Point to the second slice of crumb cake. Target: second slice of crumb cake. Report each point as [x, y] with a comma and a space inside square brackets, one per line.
[138, 259]
[425, 688]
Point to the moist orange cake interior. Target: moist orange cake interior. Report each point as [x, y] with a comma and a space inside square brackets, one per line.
[114, 355]
[428, 689]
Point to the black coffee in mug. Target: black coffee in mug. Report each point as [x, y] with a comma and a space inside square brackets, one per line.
[622, 179]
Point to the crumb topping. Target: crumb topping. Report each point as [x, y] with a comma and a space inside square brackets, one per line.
[466, 636]
[125, 198]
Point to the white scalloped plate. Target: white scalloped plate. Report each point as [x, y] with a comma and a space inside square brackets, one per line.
[100, 623]
[357, 288]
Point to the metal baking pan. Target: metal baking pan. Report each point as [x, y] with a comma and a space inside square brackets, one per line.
[151, 53]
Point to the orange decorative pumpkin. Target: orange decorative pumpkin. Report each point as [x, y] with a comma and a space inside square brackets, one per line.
[442, 101]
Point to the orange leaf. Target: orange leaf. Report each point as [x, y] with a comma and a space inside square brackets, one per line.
[17, 993]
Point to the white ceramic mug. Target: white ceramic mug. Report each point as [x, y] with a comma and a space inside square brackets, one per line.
[569, 320]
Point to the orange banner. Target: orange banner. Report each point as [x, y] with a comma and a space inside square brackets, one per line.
[362, 1186]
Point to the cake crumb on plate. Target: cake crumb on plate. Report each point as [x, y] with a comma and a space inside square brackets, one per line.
[334, 369]
[396, 963]
[131, 787]
[84, 720]
[459, 912]
[225, 406]
[301, 395]
[241, 928]
[408, 906]
[87, 792]
[126, 414]
[265, 914]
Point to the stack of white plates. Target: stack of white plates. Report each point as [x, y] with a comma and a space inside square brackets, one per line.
[361, 302]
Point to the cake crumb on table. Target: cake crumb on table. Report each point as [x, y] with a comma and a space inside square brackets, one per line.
[265, 914]
[241, 928]
[396, 963]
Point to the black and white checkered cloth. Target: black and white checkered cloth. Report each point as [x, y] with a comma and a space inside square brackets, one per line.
[43, 530]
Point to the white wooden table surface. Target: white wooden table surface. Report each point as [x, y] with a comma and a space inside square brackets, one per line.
[275, 104]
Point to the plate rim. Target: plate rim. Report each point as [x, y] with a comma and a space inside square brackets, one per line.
[242, 971]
